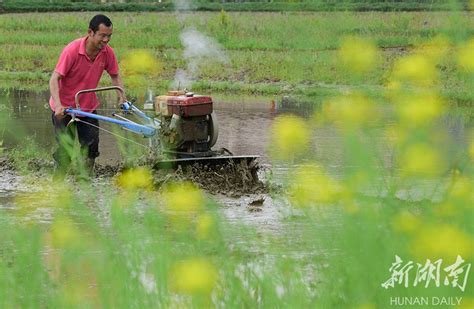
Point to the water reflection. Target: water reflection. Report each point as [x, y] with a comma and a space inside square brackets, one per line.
[244, 122]
[244, 125]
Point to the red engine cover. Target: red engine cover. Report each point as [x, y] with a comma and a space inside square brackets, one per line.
[190, 106]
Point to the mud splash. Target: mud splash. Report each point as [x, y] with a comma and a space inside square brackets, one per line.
[230, 179]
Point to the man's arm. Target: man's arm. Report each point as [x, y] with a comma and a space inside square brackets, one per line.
[54, 89]
[117, 81]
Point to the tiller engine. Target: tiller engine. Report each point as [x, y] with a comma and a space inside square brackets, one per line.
[188, 124]
[184, 125]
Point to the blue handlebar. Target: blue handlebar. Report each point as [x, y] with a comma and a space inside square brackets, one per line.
[146, 131]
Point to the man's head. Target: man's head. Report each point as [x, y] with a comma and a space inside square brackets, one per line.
[100, 31]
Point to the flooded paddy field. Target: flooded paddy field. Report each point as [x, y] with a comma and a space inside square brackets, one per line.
[266, 239]
[245, 125]
[244, 129]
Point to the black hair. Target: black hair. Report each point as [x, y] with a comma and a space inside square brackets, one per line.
[97, 20]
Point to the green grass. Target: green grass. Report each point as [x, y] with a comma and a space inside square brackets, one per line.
[267, 52]
[203, 5]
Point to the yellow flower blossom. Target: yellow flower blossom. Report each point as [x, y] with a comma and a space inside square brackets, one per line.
[204, 226]
[416, 69]
[350, 111]
[64, 233]
[394, 85]
[137, 178]
[465, 56]
[310, 186]
[358, 54]
[193, 276]
[406, 222]
[419, 109]
[290, 137]
[421, 160]
[183, 198]
[441, 241]
[140, 62]
[435, 49]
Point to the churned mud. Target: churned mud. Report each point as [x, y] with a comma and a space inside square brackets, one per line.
[229, 178]
[5, 164]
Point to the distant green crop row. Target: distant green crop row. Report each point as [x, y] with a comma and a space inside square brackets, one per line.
[271, 53]
[202, 5]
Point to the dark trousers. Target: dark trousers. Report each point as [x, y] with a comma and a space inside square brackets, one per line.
[88, 138]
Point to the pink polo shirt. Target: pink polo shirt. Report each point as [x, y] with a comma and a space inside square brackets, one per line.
[79, 73]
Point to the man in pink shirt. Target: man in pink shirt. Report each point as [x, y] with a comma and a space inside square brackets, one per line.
[80, 67]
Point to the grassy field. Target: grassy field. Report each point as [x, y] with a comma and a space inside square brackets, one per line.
[394, 225]
[271, 53]
[253, 5]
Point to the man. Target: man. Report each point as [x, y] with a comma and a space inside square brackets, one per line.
[80, 67]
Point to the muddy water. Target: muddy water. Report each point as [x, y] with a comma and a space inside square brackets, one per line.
[244, 129]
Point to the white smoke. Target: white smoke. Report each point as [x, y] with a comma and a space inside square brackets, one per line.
[197, 48]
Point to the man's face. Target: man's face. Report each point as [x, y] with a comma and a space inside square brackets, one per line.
[101, 37]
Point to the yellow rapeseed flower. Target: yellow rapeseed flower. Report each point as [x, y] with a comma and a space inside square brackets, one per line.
[435, 49]
[64, 233]
[310, 186]
[290, 137]
[406, 222]
[140, 62]
[441, 241]
[193, 276]
[183, 198]
[350, 111]
[465, 56]
[136, 178]
[416, 69]
[421, 160]
[358, 54]
[419, 109]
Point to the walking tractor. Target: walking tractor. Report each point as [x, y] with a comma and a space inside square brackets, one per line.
[182, 129]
